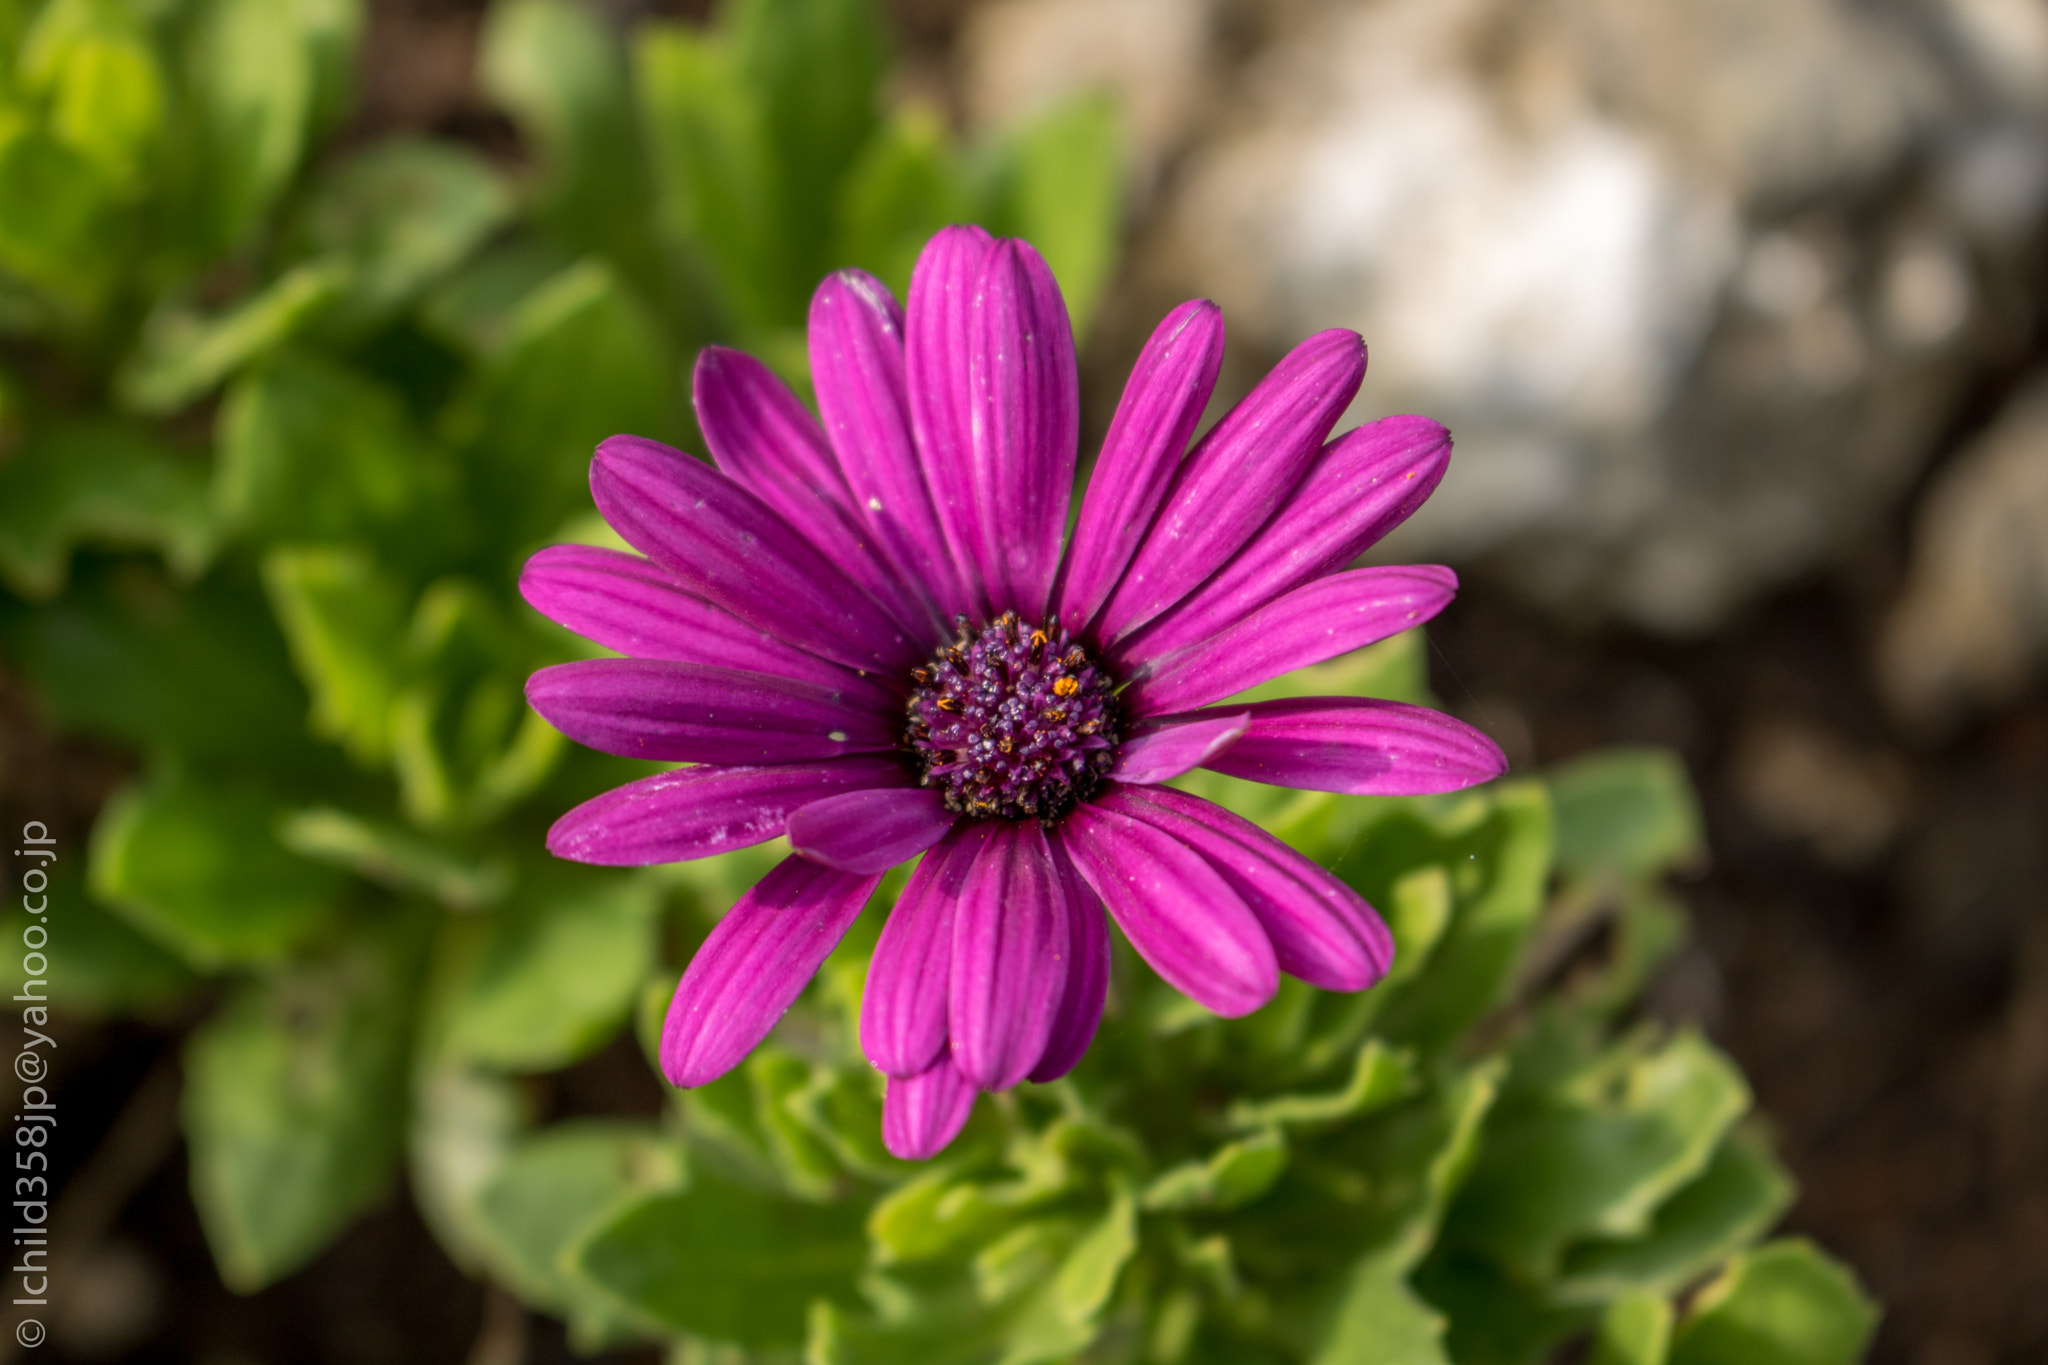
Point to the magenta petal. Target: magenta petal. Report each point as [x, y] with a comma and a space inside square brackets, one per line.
[921, 1115]
[1024, 424]
[1360, 746]
[697, 812]
[1328, 617]
[938, 336]
[1323, 932]
[1162, 404]
[1240, 474]
[694, 713]
[1176, 910]
[1010, 937]
[870, 831]
[761, 438]
[634, 606]
[857, 367]
[903, 1007]
[1163, 752]
[727, 546]
[1365, 484]
[754, 964]
[1080, 1007]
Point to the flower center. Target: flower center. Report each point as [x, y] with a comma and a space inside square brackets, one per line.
[1013, 721]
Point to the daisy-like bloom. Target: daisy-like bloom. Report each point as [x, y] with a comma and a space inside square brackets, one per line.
[869, 636]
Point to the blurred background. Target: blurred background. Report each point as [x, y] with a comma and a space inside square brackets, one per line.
[1736, 309]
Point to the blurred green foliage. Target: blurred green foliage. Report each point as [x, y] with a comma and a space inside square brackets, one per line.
[282, 410]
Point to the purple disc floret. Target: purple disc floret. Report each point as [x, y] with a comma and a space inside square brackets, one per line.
[869, 632]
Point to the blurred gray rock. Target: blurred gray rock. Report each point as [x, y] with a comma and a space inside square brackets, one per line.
[1696, 283]
[1972, 626]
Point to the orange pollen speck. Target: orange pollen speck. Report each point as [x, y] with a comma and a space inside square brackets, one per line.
[1066, 687]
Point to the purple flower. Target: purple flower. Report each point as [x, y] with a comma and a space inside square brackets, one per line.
[870, 637]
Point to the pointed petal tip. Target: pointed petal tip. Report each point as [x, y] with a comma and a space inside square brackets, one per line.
[566, 838]
[1428, 438]
[1176, 910]
[1493, 762]
[857, 286]
[1337, 356]
[712, 358]
[923, 1114]
[625, 446]
[753, 965]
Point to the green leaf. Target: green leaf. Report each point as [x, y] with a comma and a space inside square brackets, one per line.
[1065, 1317]
[1417, 911]
[1635, 1330]
[267, 74]
[403, 214]
[715, 177]
[843, 1110]
[551, 1190]
[1380, 1321]
[1740, 1194]
[559, 71]
[463, 742]
[103, 483]
[905, 186]
[550, 973]
[1629, 811]
[92, 62]
[808, 1166]
[946, 1213]
[1377, 1189]
[106, 967]
[923, 1330]
[938, 1215]
[1380, 1077]
[345, 624]
[465, 1123]
[312, 451]
[182, 354]
[815, 67]
[219, 684]
[195, 865]
[1062, 190]
[721, 1262]
[1236, 1173]
[1491, 1317]
[13, 404]
[1495, 847]
[1647, 928]
[294, 1105]
[1785, 1303]
[58, 230]
[394, 858]
[1597, 1154]
[581, 361]
[1023, 1259]
[476, 308]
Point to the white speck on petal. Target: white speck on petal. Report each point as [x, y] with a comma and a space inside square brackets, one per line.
[874, 504]
[837, 736]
